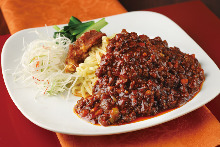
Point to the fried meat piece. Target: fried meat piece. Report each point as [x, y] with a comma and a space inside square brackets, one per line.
[80, 49]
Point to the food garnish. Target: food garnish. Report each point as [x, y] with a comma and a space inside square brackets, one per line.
[76, 28]
[42, 65]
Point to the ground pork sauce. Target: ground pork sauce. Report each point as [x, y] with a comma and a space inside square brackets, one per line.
[140, 77]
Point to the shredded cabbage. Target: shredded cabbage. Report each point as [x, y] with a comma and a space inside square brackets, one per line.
[42, 65]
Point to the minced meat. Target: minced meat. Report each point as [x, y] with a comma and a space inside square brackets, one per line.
[140, 77]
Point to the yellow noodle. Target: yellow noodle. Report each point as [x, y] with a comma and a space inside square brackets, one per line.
[86, 70]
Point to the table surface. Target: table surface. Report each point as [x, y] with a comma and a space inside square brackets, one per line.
[194, 17]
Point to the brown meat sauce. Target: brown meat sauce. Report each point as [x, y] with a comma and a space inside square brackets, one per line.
[140, 77]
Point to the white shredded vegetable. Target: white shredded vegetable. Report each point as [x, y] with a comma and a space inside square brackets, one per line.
[42, 65]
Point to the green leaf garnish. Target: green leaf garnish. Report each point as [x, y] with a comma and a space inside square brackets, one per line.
[76, 28]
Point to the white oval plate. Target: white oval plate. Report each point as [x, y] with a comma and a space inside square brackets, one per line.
[56, 114]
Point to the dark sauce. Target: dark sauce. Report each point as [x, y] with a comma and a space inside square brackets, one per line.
[134, 121]
[139, 78]
[139, 118]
